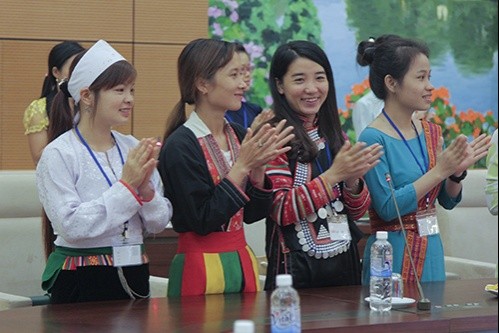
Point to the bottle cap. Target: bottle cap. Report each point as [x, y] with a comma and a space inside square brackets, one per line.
[381, 235]
[244, 326]
[284, 280]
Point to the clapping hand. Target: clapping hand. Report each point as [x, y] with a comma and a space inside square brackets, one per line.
[460, 154]
[261, 119]
[353, 161]
[257, 149]
[139, 166]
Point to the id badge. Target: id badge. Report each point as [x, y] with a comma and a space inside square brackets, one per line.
[427, 222]
[338, 227]
[127, 255]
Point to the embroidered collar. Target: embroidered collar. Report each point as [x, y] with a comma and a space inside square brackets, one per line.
[197, 126]
[307, 124]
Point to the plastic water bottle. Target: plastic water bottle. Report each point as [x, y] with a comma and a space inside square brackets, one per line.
[285, 306]
[244, 326]
[380, 298]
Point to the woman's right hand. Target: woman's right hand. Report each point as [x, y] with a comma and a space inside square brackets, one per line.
[352, 162]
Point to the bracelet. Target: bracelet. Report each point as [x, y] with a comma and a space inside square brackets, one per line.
[132, 190]
[457, 179]
[337, 191]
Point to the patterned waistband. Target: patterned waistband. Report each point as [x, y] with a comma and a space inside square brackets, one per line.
[215, 242]
[71, 263]
[377, 224]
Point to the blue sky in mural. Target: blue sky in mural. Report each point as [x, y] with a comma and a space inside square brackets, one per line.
[472, 91]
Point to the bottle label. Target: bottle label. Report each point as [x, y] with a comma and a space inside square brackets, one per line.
[286, 320]
[381, 266]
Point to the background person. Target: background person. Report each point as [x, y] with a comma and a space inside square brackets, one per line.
[245, 115]
[491, 187]
[365, 110]
[37, 115]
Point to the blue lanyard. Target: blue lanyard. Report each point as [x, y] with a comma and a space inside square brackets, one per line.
[329, 162]
[423, 170]
[95, 158]
[245, 115]
[329, 159]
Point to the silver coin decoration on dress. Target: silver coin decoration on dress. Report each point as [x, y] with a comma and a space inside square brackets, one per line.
[338, 206]
[312, 218]
[322, 212]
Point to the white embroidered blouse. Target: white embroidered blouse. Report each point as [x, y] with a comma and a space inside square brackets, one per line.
[84, 209]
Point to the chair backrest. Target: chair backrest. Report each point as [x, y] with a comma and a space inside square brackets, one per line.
[469, 231]
[22, 258]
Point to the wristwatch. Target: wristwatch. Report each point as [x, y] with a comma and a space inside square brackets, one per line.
[458, 179]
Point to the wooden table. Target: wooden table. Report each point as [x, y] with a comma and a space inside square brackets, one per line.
[457, 306]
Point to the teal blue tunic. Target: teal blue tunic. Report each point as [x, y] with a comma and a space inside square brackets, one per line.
[404, 170]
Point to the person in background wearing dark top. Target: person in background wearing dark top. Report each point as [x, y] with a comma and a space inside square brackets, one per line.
[37, 115]
[100, 188]
[415, 161]
[214, 174]
[318, 186]
[249, 114]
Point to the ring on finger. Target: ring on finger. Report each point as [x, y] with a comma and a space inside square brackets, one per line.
[260, 145]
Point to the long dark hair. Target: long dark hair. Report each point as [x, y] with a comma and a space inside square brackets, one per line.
[58, 56]
[200, 59]
[302, 147]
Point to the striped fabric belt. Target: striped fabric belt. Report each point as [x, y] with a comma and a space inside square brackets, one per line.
[377, 224]
[214, 242]
[71, 263]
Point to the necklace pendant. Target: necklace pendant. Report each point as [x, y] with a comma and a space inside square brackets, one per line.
[312, 218]
[322, 212]
[338, 206]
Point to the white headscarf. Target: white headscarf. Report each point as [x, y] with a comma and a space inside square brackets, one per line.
[95, 61]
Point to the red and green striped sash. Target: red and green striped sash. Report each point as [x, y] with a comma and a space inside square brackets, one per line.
[216, 263]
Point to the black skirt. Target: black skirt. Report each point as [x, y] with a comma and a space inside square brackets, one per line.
[99, 283]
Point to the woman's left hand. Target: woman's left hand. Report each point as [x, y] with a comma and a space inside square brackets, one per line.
[145, 191]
